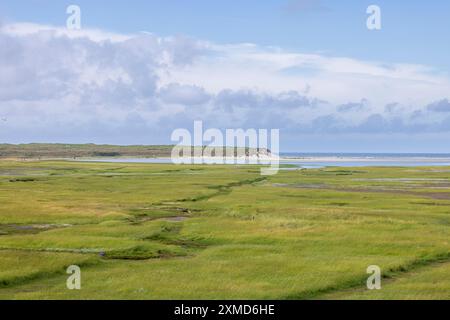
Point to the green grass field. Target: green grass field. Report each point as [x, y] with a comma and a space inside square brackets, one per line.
[155, 231]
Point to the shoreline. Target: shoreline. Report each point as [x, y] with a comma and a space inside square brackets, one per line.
[365, 159]
[261, 159]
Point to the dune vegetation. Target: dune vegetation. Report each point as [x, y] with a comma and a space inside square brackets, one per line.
[161, 231]
[52, 151]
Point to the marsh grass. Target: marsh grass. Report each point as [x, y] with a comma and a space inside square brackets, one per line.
[157, 231]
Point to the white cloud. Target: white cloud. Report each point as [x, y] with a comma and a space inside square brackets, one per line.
[93, 84]
[175, 93]
[26, 29]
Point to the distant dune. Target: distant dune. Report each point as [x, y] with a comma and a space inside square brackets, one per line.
[55, 150]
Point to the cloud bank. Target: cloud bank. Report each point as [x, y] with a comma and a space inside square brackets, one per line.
[97, 86]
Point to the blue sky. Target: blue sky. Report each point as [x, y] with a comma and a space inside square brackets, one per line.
[413, 31]
[313, 70]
